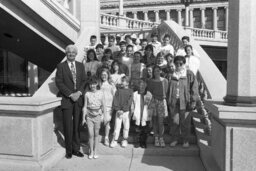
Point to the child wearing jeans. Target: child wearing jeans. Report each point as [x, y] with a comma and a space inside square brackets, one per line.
[158, 87]
[122, 105]
[94, 108]
[142, 114]
[108, 89]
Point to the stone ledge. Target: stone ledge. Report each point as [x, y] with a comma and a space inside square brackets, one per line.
[24, 165]
[222, 111]
[27, 105]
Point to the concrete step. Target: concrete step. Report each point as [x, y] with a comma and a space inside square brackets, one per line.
[151, 150]
[132, 138]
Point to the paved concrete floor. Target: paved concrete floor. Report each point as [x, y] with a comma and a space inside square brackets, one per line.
[131, 159]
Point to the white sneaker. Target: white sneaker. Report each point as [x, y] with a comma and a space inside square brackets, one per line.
[113, 144]
[174, 143]
[161, 141]
[106, 142]
[157, 144]
[185, 145]
[124, 143]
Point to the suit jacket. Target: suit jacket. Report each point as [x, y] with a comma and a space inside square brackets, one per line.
[64, 82]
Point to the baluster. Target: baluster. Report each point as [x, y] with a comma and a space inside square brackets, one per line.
[106, 39]
[111, 21]
[107, 20]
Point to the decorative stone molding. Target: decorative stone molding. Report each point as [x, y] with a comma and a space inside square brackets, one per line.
[63, 13]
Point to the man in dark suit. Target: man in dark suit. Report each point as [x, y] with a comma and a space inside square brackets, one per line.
[70, 80]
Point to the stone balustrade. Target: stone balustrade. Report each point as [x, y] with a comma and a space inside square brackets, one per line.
[135, 33]
[124, 22]
[207, 34]
[223, 35]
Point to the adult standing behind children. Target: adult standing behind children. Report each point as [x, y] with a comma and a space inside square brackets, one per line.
[91, 63]
[155, 43]
[192, 62]
[112, 46]
[181, 51]
[70, 80]
[149, 58]
[166, 47]
[93, 43]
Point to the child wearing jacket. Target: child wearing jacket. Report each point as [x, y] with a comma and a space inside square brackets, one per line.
[141, 113]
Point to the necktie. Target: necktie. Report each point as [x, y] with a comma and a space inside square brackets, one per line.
[73, 71]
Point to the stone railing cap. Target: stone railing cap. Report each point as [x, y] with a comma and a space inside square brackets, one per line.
[33, 105]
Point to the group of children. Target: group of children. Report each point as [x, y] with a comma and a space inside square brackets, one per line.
[124, 85]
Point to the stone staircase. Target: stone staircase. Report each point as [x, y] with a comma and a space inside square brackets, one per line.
[204, 143]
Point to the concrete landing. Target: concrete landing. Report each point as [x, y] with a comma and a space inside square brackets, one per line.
[134, 159]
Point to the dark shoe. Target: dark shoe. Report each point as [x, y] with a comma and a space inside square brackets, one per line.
[143, 145]
[78, 154]
[68, 155]
[137, 142]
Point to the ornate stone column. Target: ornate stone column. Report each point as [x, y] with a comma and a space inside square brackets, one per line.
[168, 17]
[202, 18]
[179, 16]
[157, 15]
[191, 18]
[226, 18]
[215, 22]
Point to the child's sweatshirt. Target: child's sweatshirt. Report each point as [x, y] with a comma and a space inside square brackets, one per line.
[123, 99]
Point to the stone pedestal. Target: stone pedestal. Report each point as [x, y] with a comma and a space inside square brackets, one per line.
[233, 136]
[27, 135]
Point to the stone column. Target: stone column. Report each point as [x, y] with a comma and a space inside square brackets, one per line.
[135, 15]
[157, 15]
[215, 22]
[226, 18]
[74, 8]
[202, 18]
[234, 122]
[106, 39]
[145, 15]
[191, 18]
[186, 16]
[121, 7]
[241, 73]
[32, 78]
[168, 17]
[179, 16]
